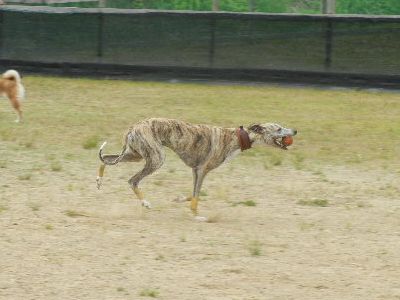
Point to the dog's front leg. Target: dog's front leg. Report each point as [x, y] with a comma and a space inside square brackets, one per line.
[198, 177]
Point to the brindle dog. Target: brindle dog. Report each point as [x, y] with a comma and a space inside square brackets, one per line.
[201, 147]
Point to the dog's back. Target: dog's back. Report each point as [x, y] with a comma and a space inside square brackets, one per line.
[194, 143]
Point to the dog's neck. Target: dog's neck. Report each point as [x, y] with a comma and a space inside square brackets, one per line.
[236, 144]
[254, 138]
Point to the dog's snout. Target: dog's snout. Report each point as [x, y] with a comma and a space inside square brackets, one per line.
[294, 131]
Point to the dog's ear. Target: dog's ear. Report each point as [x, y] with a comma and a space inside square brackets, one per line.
[257, 128]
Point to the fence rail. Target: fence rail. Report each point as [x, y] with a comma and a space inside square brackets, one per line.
[244, 45]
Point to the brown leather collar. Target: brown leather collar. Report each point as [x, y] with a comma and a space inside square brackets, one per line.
[244, 139]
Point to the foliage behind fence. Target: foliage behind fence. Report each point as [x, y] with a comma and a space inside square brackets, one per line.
[380, 7]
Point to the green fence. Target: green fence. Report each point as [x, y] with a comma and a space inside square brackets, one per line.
[361, 46]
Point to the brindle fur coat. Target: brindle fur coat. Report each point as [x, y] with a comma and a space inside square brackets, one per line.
[201, 147]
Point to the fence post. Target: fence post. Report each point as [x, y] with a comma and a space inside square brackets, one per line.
[215, 5]
[328, 6]
[252, 5]
[100, 30]
[328, 45]
[211, 51]
[1, 34]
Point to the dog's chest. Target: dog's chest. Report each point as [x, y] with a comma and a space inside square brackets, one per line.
[231, 156]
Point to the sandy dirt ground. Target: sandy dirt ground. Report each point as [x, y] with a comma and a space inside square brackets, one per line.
[61, 238]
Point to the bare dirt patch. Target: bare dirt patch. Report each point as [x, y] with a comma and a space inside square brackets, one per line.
[63, 239]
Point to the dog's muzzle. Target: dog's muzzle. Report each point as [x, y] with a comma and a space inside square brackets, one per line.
[279, 140]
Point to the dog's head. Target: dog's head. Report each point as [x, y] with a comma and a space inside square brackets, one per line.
[271, 134]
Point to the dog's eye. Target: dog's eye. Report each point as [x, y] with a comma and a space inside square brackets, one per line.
[279, 129]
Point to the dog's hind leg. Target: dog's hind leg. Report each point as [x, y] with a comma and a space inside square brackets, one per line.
[128, 157]
[154, 160]
[16, 105]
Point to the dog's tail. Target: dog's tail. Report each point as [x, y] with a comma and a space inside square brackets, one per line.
[113, 162]
[14, 76]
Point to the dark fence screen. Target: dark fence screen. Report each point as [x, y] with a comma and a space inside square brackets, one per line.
[363, 46]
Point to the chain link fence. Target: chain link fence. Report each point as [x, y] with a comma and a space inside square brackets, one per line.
[246, 45]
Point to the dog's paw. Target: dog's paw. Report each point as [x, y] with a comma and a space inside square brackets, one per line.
[200, 219]
[146, 204]
[99, 182]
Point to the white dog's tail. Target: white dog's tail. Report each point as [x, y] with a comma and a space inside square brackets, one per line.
[14, 75]
[115, 161]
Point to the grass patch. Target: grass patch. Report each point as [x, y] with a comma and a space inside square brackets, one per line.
[74, 214]
[158, 183]
[323, 118]
[90, 142]
[50, 156]
[3, 208]
[69, 156]
[26, 176]
[246, 203]
[152, 293]
[160, 257]
[28, 144]
[276, 160]
[56, 166]
[255, 248]
[34, 206]
[314, 202]
[214, 218]
[49, 227]
[203, 194]
[361, 205]
[306, 226]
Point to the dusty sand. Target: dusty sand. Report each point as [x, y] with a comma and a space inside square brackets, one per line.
[61, 238]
